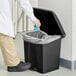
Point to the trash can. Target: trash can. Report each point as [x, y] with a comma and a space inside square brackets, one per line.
[42, 47]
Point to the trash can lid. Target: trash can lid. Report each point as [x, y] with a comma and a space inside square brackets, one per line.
[49, 22]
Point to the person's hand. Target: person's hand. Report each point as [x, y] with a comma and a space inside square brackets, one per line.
[37, 22]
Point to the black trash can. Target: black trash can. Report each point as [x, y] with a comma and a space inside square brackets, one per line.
[44, 54]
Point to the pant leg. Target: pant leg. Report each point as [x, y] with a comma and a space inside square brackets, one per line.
[8, 50]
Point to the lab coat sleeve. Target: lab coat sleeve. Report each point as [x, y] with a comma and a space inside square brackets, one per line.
[26, 7]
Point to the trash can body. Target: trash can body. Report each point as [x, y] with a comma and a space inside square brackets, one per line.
[45, 57]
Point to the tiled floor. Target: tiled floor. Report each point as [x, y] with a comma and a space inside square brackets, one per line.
[19, 45]
[60, 72]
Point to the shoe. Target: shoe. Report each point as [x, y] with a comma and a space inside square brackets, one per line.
[20, 67]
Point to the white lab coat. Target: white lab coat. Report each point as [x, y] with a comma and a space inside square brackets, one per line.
[6, 25]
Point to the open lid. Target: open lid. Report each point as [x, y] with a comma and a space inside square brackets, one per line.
[49, 22]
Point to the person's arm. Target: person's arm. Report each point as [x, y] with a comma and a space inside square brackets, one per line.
[26, 7]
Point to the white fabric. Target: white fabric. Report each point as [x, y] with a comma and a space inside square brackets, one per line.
[6, 25]
[26, 6]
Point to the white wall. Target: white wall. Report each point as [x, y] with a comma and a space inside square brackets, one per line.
[63, 9]
[74, 29]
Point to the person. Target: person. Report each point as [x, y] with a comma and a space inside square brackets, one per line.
[7, 45]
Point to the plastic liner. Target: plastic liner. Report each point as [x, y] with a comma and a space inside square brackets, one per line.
[39, 37]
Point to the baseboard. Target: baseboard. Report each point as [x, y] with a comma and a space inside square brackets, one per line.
[68, 64]
[75, 65]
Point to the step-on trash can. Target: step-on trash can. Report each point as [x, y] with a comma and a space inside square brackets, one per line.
[42, 47]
